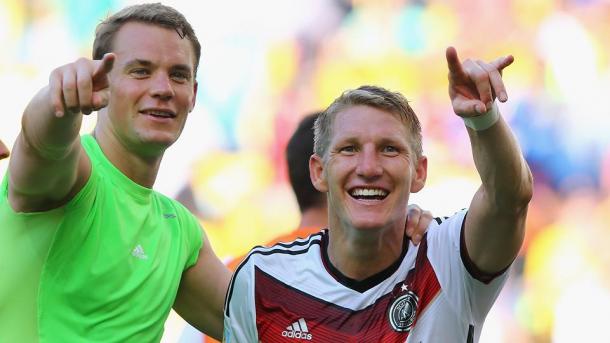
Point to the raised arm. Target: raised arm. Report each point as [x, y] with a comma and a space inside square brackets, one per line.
[495, 223]
[48, 165]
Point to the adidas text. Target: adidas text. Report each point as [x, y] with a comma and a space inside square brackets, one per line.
[297, 335]
[298, 330]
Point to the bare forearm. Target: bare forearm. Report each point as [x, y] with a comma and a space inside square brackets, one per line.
[49, 136]
[495, 225]
[43, 167]
[505, 176]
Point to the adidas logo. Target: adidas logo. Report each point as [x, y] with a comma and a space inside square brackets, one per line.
[138, 252]
[298, 330]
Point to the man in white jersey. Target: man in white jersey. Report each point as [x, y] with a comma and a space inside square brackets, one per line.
[361, 280]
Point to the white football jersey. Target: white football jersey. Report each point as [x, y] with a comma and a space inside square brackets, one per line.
[290, 292]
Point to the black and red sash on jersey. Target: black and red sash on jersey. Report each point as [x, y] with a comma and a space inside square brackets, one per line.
[279, 305]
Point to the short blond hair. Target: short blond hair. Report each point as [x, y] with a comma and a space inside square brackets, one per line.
[376, 97]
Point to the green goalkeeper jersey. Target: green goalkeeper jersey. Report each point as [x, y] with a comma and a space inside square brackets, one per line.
[103, 268]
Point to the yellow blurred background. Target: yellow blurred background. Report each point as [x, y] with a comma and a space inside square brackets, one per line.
[267, 63]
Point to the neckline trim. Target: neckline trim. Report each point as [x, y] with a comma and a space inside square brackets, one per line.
[92, 147]
[360, 286]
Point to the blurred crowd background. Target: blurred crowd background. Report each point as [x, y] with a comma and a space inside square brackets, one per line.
[267, 63]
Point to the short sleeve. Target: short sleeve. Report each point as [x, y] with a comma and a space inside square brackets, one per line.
[194, 236]
[240, 309]
[471, 298]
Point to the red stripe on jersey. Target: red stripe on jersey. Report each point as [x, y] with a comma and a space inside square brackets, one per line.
[278, 305]
[422, 280]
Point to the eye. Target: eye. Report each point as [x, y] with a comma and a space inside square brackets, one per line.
[389, 149]
[180, 76]
[347, 150]
[139, 72]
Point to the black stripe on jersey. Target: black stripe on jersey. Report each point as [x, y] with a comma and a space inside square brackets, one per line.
[439, 220]
[470, 338]
[279, 248]
[295, 243]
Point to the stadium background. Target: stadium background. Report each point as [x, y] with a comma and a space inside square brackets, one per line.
[267, 63]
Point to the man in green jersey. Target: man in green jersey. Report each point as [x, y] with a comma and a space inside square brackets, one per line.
[88, 251]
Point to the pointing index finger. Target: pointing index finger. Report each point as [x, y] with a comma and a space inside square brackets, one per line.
[105, 66]
[453, 62]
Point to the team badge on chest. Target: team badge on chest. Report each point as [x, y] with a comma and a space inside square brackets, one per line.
[402, 312]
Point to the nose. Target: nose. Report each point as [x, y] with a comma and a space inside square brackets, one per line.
[369, 164]
[3, 151]
[161, 86]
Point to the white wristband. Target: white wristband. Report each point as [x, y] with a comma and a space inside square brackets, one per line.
[485, 120]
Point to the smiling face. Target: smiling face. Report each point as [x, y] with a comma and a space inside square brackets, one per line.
[369, 170]
[152, 87]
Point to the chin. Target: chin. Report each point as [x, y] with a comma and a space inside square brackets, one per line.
[161, 139]
[368, 225]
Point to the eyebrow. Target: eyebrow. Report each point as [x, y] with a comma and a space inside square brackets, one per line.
[183, 67]
[392, 140]
[138, 62]
[354, 139]
[147, 63]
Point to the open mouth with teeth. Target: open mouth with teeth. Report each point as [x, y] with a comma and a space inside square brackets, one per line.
[368, 193]
[159, 114]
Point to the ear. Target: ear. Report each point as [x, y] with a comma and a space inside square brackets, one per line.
[421, 173]
[3, 151]
[195, 85]
[316, 173]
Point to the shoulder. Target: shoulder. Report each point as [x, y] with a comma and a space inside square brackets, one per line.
[173, 208]
[285, 250]
[282, 262]
[90, 147]
[283, 257]
[447, 228]
[299, 233]
[177, 215]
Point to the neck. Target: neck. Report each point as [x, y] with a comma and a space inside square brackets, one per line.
[140, 168]
[359, 255]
